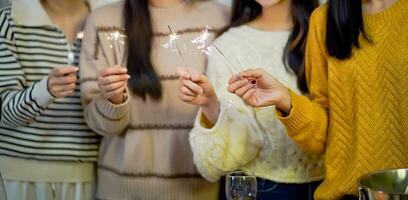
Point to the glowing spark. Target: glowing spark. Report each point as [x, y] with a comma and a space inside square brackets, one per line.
[202, 41]
[173, 37]
[117, 40]
[172, 40]
[80, 35]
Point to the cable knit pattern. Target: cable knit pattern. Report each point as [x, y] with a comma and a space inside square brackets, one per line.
[243, 137]
[366, 129]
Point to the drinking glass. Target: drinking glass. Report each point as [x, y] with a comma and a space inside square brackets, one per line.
[241, 185]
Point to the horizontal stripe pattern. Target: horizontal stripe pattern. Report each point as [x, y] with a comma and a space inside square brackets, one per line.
[27, 129]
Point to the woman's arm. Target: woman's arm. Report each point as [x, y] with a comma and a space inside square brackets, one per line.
[234, 139]
[307, 121]
[103, 116]
[20, 104]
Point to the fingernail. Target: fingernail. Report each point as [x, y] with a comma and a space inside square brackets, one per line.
[253, 82]
[128, 76]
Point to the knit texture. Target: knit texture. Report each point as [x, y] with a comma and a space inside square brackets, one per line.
[243, 137]
[34, 124]
[359, 108]
[145, 152]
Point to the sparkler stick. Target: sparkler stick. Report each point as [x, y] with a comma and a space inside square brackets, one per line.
[228, 61]
[174, 35]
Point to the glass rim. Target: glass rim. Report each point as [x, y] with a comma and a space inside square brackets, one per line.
[244, 173]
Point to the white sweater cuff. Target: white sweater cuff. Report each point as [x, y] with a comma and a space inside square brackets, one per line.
[220, 120]
[40, 93]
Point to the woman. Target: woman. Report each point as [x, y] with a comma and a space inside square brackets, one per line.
[145, 152]
[230, 136]
[47, 151]
[356, 67]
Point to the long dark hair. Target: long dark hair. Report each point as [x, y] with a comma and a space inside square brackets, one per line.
[144, 80]
[244, 11]
[343, 27]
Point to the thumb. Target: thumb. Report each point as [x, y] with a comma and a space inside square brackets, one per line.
[199, 78]
[183, 72]
[253, 73]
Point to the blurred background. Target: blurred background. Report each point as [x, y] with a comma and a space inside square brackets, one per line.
[227, 2]
[3, 3]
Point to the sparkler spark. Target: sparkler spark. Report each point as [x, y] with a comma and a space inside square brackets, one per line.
[201, 41]
[116, 38]
[173, 37]
[80, 35]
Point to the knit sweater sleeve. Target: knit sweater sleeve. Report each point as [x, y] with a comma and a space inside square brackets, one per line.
[100, 114]
[21, 104]
[307, 122]
[234, 140]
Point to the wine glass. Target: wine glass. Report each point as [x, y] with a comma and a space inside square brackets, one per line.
[241, 185]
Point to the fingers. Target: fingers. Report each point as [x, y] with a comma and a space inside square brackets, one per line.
[63, 80]
[113, 86]
[106, 80]
[63, 71]
[183, 72]
[66, 93]
[193, 86]
[113, 71]
[247, 97]
[253, 73]
[241, 91]
[187, 98]
[187, 91]
[115, 93]
[63, 88]
[234, 78]
[199, 77]
[236, 85]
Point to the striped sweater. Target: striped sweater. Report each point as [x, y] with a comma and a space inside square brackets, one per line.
[145, 152]
[33, 124]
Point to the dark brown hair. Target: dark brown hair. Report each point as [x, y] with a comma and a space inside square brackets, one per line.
[343, 27]
[144, 80]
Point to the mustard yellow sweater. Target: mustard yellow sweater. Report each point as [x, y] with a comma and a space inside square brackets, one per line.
[358, 112]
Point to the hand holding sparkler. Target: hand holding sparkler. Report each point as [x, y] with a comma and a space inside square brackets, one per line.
[112, 82]
[196, 89]
[268, 91]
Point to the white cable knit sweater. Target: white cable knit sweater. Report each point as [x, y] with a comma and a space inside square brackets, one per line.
[243, 137]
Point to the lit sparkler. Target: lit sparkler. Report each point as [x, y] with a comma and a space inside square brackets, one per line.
[173, 37]
[116, 38]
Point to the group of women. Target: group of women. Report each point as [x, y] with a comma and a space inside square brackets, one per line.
[94, 106]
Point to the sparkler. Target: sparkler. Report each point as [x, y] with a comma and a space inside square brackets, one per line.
[71, 54]
[173, 37]
[116, 39]
[201, 41]
[225, 57]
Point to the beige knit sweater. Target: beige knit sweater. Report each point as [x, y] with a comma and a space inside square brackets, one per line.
[145, 152]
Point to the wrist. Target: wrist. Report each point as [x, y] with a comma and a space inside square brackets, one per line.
[48, 88]
[285, 105]
[119, 99]
[211, 110]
